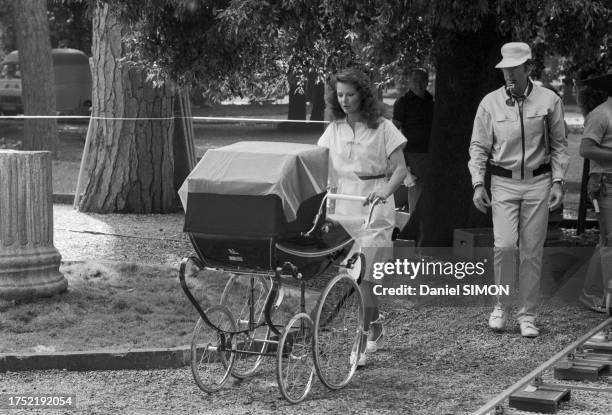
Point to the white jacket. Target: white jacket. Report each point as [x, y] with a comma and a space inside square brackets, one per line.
[519, 136]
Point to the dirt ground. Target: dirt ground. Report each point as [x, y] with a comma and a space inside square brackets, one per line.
[439, 357]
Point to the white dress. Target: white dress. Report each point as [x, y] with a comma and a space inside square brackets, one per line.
[364, 152]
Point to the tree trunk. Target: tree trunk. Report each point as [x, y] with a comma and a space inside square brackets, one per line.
[37, 78]
[130, 162]
[297, 102]
[465, 74]
[568, 93]
[318, 102]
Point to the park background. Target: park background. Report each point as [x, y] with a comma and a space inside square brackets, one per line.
[261, 52]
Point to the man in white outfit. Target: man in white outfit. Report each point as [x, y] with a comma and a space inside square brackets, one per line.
[519, 131]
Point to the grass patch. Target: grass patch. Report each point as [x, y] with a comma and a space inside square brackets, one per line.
[118, 305]
[108, 306]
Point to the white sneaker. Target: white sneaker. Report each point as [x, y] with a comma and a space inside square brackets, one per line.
[375, 344]
[528, 329]
[497, 319]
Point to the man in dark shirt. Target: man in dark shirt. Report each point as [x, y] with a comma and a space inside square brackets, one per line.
[412, 114]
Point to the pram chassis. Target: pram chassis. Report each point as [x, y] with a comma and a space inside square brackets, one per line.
[327, 340]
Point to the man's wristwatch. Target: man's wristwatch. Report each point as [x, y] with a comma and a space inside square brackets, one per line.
[561, 182]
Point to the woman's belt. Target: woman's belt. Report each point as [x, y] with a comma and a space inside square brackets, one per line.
[500, 171]
[366, 177]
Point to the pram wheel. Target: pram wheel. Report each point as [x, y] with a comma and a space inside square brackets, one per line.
[294, 370]
[211, 349]
[339, 317]
[241, 295]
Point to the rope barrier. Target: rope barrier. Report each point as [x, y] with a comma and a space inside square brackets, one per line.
[197, 118]
[185, 240]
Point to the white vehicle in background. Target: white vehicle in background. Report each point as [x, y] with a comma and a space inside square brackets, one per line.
[72, 83]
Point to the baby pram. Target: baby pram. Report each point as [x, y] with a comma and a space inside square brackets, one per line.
[258, 211]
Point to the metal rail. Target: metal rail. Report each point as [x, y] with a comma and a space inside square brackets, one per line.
[493, 403]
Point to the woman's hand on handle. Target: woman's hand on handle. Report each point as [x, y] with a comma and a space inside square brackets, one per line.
[373, 196]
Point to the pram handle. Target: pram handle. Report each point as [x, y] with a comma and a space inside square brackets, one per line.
[340, 196]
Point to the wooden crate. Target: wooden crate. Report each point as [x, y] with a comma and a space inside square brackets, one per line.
[472, 243]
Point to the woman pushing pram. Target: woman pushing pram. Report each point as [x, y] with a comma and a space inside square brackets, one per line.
[257, 210]
[365, 153]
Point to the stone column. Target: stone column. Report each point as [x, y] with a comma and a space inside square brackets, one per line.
[29, 263]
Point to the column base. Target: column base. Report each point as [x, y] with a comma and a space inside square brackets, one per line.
[31, 274]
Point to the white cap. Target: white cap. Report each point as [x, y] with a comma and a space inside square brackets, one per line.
[514, 54]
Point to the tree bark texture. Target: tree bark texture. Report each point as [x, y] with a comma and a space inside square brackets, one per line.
[130, 162]
[465, 74]
[37, 78]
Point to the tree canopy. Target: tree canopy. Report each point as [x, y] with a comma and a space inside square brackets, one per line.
[235, 47]
[69, 25]
[182, 41]
[248, 44]
[245, 47]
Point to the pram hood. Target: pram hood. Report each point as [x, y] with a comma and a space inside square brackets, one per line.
[294, 172]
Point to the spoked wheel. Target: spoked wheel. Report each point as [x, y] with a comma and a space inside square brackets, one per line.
[338, 331]
[211, 349]
[243, 295]
[294, 370]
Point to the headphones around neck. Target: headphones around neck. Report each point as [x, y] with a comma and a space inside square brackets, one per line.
[517, 98]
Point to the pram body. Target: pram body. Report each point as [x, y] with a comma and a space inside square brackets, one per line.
[257, 209]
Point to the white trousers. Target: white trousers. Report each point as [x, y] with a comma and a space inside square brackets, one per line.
[520, 222]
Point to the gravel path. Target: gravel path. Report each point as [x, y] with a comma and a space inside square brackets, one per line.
[174, 392]
[149, 239]
[427, 368]
[439, 359]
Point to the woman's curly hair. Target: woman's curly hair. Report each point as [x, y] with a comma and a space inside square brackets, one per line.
[369, 107]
